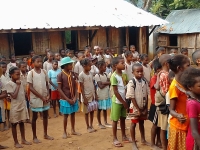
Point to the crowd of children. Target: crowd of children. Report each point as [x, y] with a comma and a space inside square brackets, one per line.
[106, 81]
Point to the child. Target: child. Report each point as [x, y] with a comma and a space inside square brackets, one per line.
[179, 122]
[139, 59]
[103, 94]
[196, 58]
[18, 110]
[87, 53]
[23, 78]
[3, 58]
[118, 108]
[29, 62]
[3, 95]
[46, 53]
[67, 88]
[146, 67]
[184, 51]
[24, 59]
[173, 52]
[107, 55]
[128, 65]
[78, 67]
[124, 49]
[155, 131]
[160, 101]
[39, 96]
[62, 53]
[47, 65]
[88, 92]
[159, 51]
[57, 58]
[190, 81]
[97, 53]
[139, 102]
[134, 52]
[69, 53]
[75, 58]
[12, 62]
[53, 73]
[4, 80]
[112, 53]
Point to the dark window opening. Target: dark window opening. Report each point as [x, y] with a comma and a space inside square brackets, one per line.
[173, 40]
[133, 37]
[22, 43]
[71, 39]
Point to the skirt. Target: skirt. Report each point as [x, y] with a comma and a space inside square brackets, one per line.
[177, 139]
[66, 108]
[105, 104]
[40, 109]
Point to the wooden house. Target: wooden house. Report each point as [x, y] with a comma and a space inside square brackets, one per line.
[183, 30]
[113, 25]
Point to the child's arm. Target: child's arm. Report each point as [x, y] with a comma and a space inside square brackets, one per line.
[15, 93]
[3, 94]
[102, 85]
[47, 86]
[63, 95]
[180, 117]
[194, 129]
[36, 93]
[115, 90]
[52, 83]
[156, 85]
[85, 100]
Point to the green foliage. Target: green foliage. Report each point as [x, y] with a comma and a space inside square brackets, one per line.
[163, 7]
[68, 37]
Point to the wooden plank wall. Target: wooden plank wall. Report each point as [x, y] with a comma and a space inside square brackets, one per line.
[4, 45]
[56, 41]
[143, 45]
[82, 39]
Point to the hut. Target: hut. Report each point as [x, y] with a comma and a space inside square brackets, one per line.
[183, 30]
[71, 24]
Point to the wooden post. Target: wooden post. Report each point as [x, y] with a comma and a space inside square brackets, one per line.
[127, 36]
[142, 40]
[195, 42]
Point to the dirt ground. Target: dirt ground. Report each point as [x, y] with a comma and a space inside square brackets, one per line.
[100, 140]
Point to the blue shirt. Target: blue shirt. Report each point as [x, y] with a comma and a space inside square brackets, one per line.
[52, 74]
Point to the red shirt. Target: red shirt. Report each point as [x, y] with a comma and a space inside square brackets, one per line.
[152, 89]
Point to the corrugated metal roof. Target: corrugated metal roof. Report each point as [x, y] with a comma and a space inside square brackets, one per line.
[43, 14]
[181, 22]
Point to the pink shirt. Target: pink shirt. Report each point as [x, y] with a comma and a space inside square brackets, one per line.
[193, 111]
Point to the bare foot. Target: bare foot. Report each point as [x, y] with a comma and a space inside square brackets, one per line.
[90, 130]
[145, 143]
[28, 121]
[17, 145]
[64, 136]
[55, 116]
[102, 126]
[48, 137]
[36, 141]
[108, 125]
[5, 128]
[76, 133]
[126, 140]
[3, 147]
[94, 130]
[60, 113]
[154, 147]
[26, 142]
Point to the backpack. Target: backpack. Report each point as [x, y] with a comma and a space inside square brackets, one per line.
[28, 87]
[134, 82]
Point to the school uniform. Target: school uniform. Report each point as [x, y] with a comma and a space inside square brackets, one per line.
[78, 68]
[104, 100]
[139, 92]
[23, 79]
[18, 108]
[147, 72]
[68, 82]
[89, 90]
[9, 65]
[128, 70]
[39, 84]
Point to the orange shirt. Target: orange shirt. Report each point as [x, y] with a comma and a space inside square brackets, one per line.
[29, 62]
[176, 90]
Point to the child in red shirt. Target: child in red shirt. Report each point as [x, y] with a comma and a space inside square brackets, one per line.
[155, 131]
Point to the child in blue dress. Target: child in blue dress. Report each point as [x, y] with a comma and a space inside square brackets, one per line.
[67, 89]
[103, 93]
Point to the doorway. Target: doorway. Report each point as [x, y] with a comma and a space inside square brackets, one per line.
[22, 43]
[133, 37]
[71, 40]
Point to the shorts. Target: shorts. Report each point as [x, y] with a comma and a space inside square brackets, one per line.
[153, 116]
[55, 95]
[138, 119]
[6, 104]
[117, 111]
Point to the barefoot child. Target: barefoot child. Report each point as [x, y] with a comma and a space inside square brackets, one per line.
[57, 58]
[23, 78]
[146, 67]
[179, 122]
[4, 80]
[88, 92]
[137, 91]
[155, 130]
[67, 88]
[118, 108]
[196, 58]
[103, 93]
[128, 65]
[191, 80]
[18, 110]
[55, 96]
[12, 63]
[134, 52]
[39, 96]
[29, 62]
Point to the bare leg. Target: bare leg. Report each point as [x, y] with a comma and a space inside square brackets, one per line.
[22, 130]
[14, 133]
[158, 141]
[34, 119]
[65, 126]
[99, 116]
[91, 120]
[163, 139]
[142, 133]
[115, 140]
[73, 125]
[132, 132]
[45, 124]
[154, 130]
[59, 107]
[122, 125]
[54, 108]
[8, 116]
